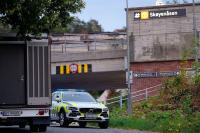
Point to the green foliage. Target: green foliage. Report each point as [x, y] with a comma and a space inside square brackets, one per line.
[96, 94]
[5, 28]
[128, 123]
[157, 115]
[77, 26]
[176, 2]
[188, 102]
[90, 26]
[114, 106]
[38, 16]
[162, 121]
[119, 113]
[175, 91]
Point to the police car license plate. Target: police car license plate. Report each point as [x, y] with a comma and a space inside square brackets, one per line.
[90, 116]
[11, 113]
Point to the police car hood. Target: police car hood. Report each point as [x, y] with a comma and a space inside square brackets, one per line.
[84, 104]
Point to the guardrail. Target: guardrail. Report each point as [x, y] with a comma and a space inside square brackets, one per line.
[146, 93]
[64, 46]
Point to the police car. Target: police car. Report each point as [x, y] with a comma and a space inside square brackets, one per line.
[70, 105]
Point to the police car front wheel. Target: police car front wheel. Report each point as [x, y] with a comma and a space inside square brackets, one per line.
[104, 125]
[63, 120]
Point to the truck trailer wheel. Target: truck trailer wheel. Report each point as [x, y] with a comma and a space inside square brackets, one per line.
[34, 128]
[42, 127]
[22, 125]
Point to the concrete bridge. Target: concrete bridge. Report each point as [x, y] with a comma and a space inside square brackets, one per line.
[107, 70]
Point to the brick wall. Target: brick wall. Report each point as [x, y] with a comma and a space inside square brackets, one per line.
[149, 67]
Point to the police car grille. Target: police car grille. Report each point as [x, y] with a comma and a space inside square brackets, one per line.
[74, 113]
[90, 110]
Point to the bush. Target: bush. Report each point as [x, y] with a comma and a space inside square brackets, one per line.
[166, 121]
[113, 106]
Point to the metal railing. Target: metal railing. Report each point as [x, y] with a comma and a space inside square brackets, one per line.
[71, 46]
[134, 96]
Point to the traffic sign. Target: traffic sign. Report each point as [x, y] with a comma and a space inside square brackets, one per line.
[139, 75]
[73, 68]
[168, 73]
[131, 77]
[156, 74]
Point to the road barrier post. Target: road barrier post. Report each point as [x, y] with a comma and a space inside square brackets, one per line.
[95, 42]
[146, 93]
[65, 44]
[120, 98]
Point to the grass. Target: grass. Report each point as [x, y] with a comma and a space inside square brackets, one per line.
[162, 125]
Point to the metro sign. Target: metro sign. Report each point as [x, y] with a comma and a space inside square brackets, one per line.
[159, 3]
[159, 14]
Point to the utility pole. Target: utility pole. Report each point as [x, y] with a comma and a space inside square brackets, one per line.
[195, 34]
[128, 61]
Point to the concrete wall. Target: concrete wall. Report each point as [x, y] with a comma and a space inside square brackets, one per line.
[94, 55]
[101, 61]
[100, 65]
[161, 39]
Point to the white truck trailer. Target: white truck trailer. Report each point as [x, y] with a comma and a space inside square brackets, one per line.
[25, 82]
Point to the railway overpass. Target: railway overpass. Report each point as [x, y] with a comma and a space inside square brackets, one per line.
[107, 70]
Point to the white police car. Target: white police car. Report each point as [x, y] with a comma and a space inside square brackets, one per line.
[70, 105]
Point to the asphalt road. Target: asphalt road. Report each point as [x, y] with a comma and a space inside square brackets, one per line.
[71, 129]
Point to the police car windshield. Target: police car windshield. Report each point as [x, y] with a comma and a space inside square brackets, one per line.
[78, 97]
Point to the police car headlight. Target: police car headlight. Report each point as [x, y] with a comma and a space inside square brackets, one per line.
[67, 107]
[105, 109]
[73, 108]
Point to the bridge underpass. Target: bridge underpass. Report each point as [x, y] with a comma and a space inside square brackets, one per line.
[108, 70]
[90, 81]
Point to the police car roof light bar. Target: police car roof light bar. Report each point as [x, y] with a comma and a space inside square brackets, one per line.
[70, 90]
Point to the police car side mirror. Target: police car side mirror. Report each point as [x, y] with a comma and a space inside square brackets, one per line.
[98, 100]
[57, 99]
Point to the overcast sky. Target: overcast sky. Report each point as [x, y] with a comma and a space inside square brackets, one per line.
[110, 13]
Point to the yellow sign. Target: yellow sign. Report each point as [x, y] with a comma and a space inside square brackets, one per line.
[145, 15]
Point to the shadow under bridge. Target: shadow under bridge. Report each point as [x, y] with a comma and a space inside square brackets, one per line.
[90, 81]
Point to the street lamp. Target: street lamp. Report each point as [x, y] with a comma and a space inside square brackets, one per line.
[128, 61]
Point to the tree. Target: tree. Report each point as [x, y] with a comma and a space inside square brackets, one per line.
[93, 26]
[5, 28]
[38, 16]
[67, 29]
[90, 26]
[124, 29]
[176, 2]
[78, 25]
[96, 94]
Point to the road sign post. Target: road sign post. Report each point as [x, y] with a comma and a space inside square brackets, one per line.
[128, 61]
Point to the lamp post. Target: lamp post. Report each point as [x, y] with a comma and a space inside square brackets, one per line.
[195, 34]
[128, 61]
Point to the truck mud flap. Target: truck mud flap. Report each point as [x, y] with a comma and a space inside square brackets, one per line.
[41, 120]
